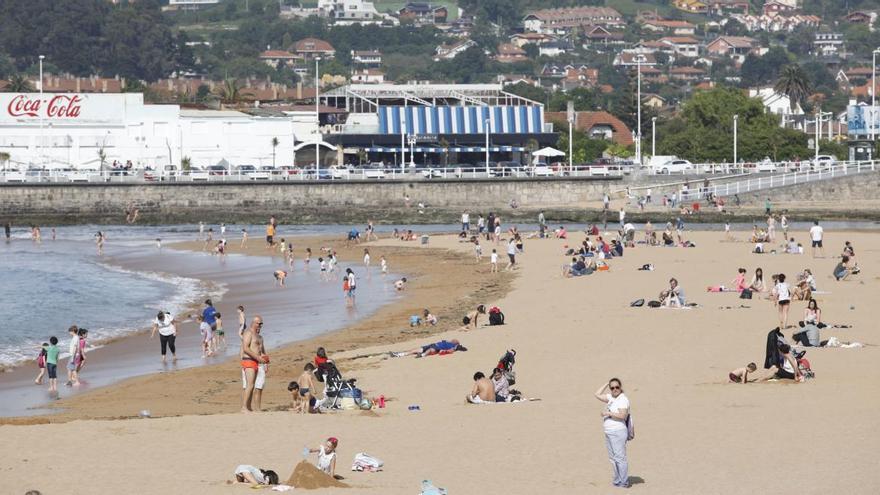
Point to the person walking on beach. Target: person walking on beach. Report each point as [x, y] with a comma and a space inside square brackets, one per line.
[73, 350]
[252, 355]
[511, 255]
[816, 235]
[99, 241]
[167, 328]
[244, 238]
[52, 363]
[7, 228]
[201, 230]
[383, 265]
[270, 236]
[242, 321]
[349, 286]
[615, 421]
[465, 221]
[209, 314]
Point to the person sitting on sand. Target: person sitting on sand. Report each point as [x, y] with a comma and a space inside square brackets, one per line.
[741, 375]
[483, 390]
[280, 275]
[442, 347]
[307, 387]
[792, 247]
[842, 271]
[808, 334]
[673, 297]
[787, 368]
[739, 283]
[327, 456]
[757, 284]
[501, 385]
[668, 240]
[246, 473]
[297, 404]
[470, 320]
[428, 317]
[561, 233]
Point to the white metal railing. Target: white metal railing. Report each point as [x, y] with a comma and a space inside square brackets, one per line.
[810, 174]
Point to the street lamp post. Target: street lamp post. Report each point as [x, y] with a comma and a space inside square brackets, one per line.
[40, 147]
[486, 126]
[653, 136]
[873, 89]
[412, 150]
[735, 119]
[317, 121]
[572, 116]
[403, 137]
[639, 59]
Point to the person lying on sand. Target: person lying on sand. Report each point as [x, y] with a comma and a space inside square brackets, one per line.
[246, 473]
[741, 375]
[442, 347]
[327, 456]
[483, 390]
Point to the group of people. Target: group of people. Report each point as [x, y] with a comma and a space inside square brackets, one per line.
[47, 359]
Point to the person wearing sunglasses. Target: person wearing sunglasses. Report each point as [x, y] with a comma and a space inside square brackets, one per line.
[614, 420]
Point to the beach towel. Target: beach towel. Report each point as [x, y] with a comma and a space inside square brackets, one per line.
[366, 462]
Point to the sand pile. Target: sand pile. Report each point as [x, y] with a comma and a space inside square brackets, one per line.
[306, 475]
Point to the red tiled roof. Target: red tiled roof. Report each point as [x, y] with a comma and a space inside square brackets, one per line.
[585, 121]
[312, 45]
[277, 54]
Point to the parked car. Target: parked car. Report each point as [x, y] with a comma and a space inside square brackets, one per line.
[433, 173]
[217, 170]
[374, 173]
[542, 170]
[765, 165]
[675, 167]
[339, 173]
[198, 174]
[824, 162]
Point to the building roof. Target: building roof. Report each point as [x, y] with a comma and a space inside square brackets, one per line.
[366, 53]
[510, 50]
[421, 7]
[734, 41]
[277, 54]
[585, 121]
[679, 40]
[670, 24]
[686, 70]
[629, 58]
[313, 45]
[575, 13]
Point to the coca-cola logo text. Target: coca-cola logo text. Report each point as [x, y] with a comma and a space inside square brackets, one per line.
[56, 107]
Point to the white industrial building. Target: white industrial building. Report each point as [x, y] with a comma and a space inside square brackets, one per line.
[60, 130]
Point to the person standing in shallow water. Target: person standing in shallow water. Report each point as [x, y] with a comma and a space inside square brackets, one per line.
[615, 418]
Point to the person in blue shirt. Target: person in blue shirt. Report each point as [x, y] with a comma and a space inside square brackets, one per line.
[441, 347]
[209, 314]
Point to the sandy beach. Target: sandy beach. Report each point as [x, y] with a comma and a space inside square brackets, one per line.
[695, 432]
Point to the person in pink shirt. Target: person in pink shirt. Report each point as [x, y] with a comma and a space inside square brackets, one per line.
[739, 283]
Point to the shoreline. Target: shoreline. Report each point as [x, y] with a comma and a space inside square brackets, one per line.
[407, 258]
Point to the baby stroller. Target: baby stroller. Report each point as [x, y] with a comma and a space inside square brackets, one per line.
[505, 364]
[335, 386]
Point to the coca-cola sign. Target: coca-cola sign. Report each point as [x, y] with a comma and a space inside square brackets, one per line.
[58, 106]
[67, 108]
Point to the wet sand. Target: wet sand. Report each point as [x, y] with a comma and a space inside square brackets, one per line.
[695, 432]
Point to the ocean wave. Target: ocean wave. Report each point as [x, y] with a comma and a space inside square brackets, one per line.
[188, 292]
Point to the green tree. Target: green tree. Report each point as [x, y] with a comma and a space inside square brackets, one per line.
[229, 92]
[274, 146]
[794, 83]
[18, 84]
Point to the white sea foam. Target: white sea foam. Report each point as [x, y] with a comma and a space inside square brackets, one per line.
[187, 292]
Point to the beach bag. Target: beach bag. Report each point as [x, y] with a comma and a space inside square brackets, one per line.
[745, 294]
[654, 304]
[630, 429]
[496, 317]
[365, 462]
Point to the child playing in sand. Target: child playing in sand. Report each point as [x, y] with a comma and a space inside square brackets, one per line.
[493, 259]
[327, 456]
[207, 336]
[297, 404]
[219, 335]
[741, 375]
[429, 317]
[478, 250]
[280, 275]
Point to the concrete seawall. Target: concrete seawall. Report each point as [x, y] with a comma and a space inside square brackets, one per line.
[324, 202]
[345, 202]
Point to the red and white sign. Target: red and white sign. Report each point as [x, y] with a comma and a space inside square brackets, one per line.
[66, 108]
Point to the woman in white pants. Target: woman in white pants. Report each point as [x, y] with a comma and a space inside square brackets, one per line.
[615, 417]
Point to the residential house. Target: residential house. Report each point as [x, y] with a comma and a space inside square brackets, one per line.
[828, 45]
[692, 6]
[601, 35]
[596, 125]
[564, 20]
[627, 58]
[513, 79]
[686, 74]
[735, 47]
[554, 70]
[653, 100]
[652, 74]
[310, 48]
[677, 28]
[777, 23]
[367, 76]
[367, 58]
[423, 13]
[523, 39]
[347, 9]
[278, 58]
[509, 53]
[682, 45]
[722, 7]
[652, 46]
[862, 17]
[776, 7]
[449, 52]
[858, 73]
[775, 103]
[552, 49]
[189, 4]
[579, 77]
